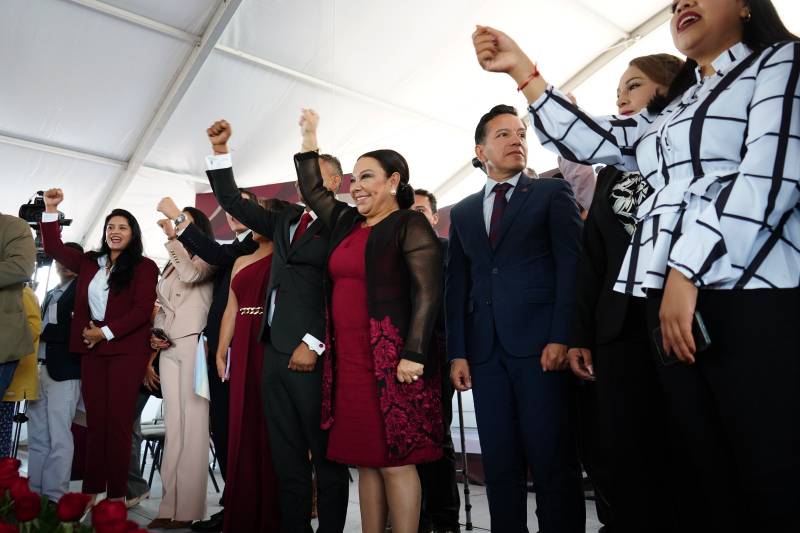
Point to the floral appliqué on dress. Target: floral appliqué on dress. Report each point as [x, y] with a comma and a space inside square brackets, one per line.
[412, 412]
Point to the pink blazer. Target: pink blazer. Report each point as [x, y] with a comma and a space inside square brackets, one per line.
[184, 293]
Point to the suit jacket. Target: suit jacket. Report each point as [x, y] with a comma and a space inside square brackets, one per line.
[128, 312]
[297, 269]
[222, 256]
[600, 311]
[184, 292]
[61, 363]
[17, 260]
[523, 291]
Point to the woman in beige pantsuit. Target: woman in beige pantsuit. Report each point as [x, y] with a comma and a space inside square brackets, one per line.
[184, 295]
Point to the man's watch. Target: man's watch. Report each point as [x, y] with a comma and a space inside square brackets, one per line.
[180, 220]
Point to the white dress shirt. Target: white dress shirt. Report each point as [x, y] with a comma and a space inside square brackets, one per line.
[217, 162]
[488, 197]
[98, 294]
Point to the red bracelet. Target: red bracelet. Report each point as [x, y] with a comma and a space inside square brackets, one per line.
[534, 74]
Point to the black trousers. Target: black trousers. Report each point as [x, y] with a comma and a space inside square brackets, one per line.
[292, 406]
[624, 441]
[734, 413]
[440, 501]
[524, 421]
[218, 412]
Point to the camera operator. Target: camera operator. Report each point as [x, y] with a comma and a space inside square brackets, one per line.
[17, 260]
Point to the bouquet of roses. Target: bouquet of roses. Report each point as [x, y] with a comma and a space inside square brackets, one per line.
[24, 511]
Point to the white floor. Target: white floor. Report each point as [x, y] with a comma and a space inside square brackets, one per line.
[147, 510]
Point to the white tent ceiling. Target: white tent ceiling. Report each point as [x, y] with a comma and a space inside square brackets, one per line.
[110, 100]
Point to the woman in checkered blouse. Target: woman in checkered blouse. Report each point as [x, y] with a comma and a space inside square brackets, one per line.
[720, 235]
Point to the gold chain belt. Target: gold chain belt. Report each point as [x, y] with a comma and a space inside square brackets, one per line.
[251, 310]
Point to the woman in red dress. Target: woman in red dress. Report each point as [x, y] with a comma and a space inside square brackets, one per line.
[251, 490]
[383, 291]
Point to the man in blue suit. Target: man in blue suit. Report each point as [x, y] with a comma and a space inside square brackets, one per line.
[509, 297]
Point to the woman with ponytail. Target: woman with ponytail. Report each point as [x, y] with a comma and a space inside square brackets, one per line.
[381, 399]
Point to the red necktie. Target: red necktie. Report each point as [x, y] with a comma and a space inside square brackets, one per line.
[499, 208]
[305, 220]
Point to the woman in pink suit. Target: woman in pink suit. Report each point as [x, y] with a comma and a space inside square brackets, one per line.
[184, 295]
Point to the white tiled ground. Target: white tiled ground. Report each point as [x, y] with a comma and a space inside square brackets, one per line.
[147, 510]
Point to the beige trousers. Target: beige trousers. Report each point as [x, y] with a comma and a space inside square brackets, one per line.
[184, 467]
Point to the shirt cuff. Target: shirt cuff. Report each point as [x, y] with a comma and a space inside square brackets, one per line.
[216, 162]
[49, 217]
[314, 344]
[179, 232]
[107, 333]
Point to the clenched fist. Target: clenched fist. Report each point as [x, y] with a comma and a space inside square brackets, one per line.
[309, 121]
[218, 135]
[497, 52]
[168, 208]
[52, 198]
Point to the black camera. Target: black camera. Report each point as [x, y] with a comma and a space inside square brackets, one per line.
[31, 213]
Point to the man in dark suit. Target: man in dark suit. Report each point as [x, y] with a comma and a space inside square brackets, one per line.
[293, 332]
[50, 443]
[222, 256]
[440, 501]
[510, 294]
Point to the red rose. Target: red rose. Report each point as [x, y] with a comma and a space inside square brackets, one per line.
[8, 528]
[19, 488]
[71, 506]
[108, 513]
[9, 472]
[27, 506]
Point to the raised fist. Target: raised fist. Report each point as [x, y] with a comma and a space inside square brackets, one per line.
[497, 52]
[309, 121]
[169, 229]
[168, 208]
[53, 197]
[218, 135]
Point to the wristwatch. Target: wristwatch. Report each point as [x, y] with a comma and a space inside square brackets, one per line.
[181, 218]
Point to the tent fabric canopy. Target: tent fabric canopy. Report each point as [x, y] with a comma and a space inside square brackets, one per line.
[110, 100]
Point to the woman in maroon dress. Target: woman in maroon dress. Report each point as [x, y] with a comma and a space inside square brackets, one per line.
[251, 486]
[383, 292]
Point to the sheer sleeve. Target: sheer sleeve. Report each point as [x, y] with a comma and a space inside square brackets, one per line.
[567, 130]
[319, 199]
[423, 255]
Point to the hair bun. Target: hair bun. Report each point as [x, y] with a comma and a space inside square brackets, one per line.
[405, 195]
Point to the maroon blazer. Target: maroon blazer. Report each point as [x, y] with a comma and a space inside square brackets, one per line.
[128, 313]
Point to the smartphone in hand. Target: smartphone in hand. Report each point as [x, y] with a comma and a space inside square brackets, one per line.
[161, 334]
[699, 332]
